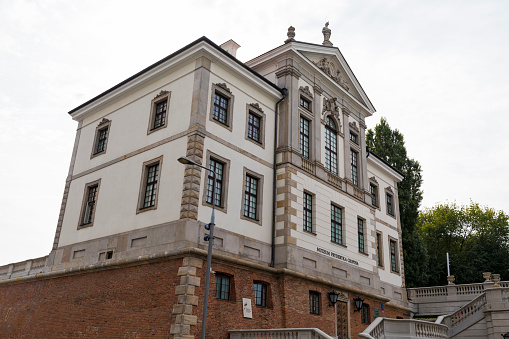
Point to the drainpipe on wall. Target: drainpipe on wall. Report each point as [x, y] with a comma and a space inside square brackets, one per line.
[284, 91]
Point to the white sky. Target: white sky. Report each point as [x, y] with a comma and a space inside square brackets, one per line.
[437, 70]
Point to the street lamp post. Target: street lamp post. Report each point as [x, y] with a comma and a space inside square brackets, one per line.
[333, 298]
[210, 239]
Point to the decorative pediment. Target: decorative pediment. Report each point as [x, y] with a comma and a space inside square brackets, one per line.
[306, 91]
[256, 106]
[104, 121]
[329, 68]
[162, 93]
[353, 125]
[389, 189]
[373, 179]
[331, 106]
[223, 86]
[342, 296]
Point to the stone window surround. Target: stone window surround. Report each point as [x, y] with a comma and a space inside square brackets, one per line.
[389, 192]
[313, 213]
[373, 182]
[338, 134]
[396, 254]
[358, 167]
[343, 233]
[226, 179]
[365, 236]
[306, 97]
[229, 112]
[310, 119]
[84, 202]
[105, 123]
[250, 108]
[143, 183]
[161, 97]
[259, 196]
[379, 242]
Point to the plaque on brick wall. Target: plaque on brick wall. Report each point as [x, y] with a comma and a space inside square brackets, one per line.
[376, 312]
[246, 308]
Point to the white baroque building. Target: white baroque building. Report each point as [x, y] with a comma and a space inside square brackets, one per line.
[298, 192]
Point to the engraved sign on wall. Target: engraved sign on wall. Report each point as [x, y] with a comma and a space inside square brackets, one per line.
[246, 308]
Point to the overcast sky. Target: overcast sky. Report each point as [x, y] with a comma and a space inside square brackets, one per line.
[437, 70]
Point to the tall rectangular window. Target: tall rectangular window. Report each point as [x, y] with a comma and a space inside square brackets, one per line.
[394, 259]
[101, 140]
[220, 111]
[251, 197]
[390, 209]
[151, 185]
[379, 250]
[314, 302]
[331, 145]
[373, 189]
[308, 212]
[336, 225]
[260, 290]
[353, 164]
[253, 127]
[222, 287]
[360, 226]
[365, 314]
[304, 137]
[217, 167]
[88, 212]
[353, 137]
[160, 114]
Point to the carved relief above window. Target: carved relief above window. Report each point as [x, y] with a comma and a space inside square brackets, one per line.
[329, 68]
[223, 86]
[306, 91]
[331, 106]
[353, 125]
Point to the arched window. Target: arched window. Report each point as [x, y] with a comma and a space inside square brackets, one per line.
[331, 146]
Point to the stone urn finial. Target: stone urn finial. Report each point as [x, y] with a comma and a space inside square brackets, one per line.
[450, 280]
[486, 276]
[496, 279]
[290, 34]
[326, 35]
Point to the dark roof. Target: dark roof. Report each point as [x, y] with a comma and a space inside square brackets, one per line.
[369, 151]
[203, 38]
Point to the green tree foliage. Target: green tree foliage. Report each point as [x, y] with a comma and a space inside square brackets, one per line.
[476, 237]
[389, 144]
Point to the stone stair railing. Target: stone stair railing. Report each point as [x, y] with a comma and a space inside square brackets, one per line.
[466, 312]
[385, 328]
[465, 291]
[280, 333]
[23, 268]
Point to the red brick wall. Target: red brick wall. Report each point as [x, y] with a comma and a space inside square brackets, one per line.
[289, 305]
[130, 302]
[137, 302]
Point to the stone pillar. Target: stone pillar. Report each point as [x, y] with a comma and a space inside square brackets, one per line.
[186, 298]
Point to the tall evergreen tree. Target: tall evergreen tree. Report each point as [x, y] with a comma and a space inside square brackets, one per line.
[389, 144]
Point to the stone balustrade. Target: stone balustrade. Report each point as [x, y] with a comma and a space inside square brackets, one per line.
[280, 333]
[23, 268]
[384, 328]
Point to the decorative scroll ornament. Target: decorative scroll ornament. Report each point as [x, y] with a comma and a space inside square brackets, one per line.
[104, 121]
[290, 34]
[223, 86]
[326, 35]
[342, 296]
[373, 179]
[256, 106]
[331, 70]
[161, 94]
[306, 91]
[389, 188]
[353, 125]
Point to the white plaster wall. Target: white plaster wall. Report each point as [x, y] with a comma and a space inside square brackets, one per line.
[130, 116]
[231, 220]
[117, 200]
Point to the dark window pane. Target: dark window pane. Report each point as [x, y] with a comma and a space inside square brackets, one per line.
[220, 111]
